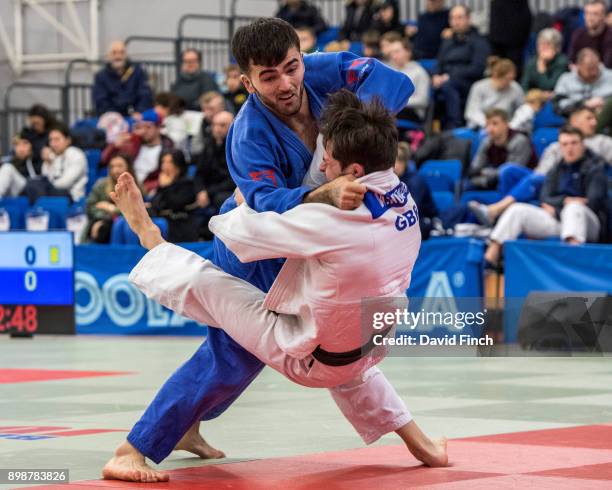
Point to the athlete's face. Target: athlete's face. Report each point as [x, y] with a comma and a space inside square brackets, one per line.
[333, 168]
[329, 164]
[280, 87]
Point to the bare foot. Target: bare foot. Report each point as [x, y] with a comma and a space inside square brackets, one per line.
[129, 200]
[430, 452]
[128, 464]
[194, 443]
[434, 454]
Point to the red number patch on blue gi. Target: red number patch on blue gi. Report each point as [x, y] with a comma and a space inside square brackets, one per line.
[264, 174]
[407, 219]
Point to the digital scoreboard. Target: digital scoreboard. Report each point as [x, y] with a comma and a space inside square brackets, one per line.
[36, 283]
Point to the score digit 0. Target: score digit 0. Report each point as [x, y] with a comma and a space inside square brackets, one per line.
[30, 279]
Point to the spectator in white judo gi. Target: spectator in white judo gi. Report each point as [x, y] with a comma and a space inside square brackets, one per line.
[308, 327]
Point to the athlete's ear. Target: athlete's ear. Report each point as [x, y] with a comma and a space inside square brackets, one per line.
[247, 84]
[357, 170]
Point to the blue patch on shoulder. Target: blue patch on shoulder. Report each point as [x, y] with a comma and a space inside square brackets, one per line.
[378, 204]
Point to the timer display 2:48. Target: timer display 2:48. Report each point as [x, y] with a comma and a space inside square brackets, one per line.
[18, 318]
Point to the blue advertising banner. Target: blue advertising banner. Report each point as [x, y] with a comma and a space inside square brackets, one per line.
[533, 265]
[106, 303]
[448, 267]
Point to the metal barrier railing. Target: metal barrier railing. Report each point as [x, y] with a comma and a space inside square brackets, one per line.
[216, 53]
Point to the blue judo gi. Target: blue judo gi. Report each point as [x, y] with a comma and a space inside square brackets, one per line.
[268, 162]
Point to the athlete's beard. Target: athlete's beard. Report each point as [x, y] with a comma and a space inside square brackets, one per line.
[273, 106]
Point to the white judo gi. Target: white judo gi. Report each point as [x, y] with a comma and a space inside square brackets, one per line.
[335, 259]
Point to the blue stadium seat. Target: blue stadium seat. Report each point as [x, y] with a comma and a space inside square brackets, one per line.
[327, 36]
[16, 208]
[430, 65]
[93, 160]
[439, 182]
[546, 117]
[356, 48]
[121, 233]
[450, 168]
[485, 197]
[191, 170]
[57, 208]
[474, 136]
[542, 137]
[443, 200]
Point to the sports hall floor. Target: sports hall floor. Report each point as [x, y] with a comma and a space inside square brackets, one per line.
[66, 402]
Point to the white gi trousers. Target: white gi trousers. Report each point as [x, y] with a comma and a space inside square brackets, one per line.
[576, 221]
[11, 181]
[193, 287]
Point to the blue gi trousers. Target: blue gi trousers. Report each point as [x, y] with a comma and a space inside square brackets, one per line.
[201, 389]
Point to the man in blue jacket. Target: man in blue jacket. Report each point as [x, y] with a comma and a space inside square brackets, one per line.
[121, 86]
[270, 147]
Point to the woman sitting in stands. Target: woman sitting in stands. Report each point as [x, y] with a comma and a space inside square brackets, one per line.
[64, 168]
[175, 199]
[40, 121]
[101, 211]
[21, 166]
[499, 91]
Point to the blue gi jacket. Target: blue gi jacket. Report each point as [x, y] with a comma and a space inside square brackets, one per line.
[267, 159]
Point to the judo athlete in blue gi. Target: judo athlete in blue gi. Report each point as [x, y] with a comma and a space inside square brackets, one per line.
[269, 150]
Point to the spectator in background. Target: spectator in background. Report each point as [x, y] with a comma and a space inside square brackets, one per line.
[213, 181]
[64, 169]
[545, 68]
[585, 120]
[144, 145]
[175, 197]
[371, 44]
[300, 13]
[40, 120]
[121, 86]
[461, 62]
[400, 58]
[573, 201]
[235, 94]
[387, 18]
[211, 103]
[101, 210]
[499, 91]
[385, 42]
[427, 35]
[588, 85]
[522, 185]
[192, 81]
[595, 34]
[359, 15]
[509, 29]
[419, 190]
[15, 173]
[175, 121]
[524, 116]
[501, 145]
[308, 40]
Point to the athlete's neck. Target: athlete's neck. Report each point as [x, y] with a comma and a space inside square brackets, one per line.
[303, 123]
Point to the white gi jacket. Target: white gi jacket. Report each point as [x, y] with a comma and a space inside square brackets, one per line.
[335, 259]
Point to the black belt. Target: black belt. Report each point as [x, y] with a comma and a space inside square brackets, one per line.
[346, 358]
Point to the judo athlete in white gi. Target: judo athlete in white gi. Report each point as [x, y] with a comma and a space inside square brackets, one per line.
[308, 327]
